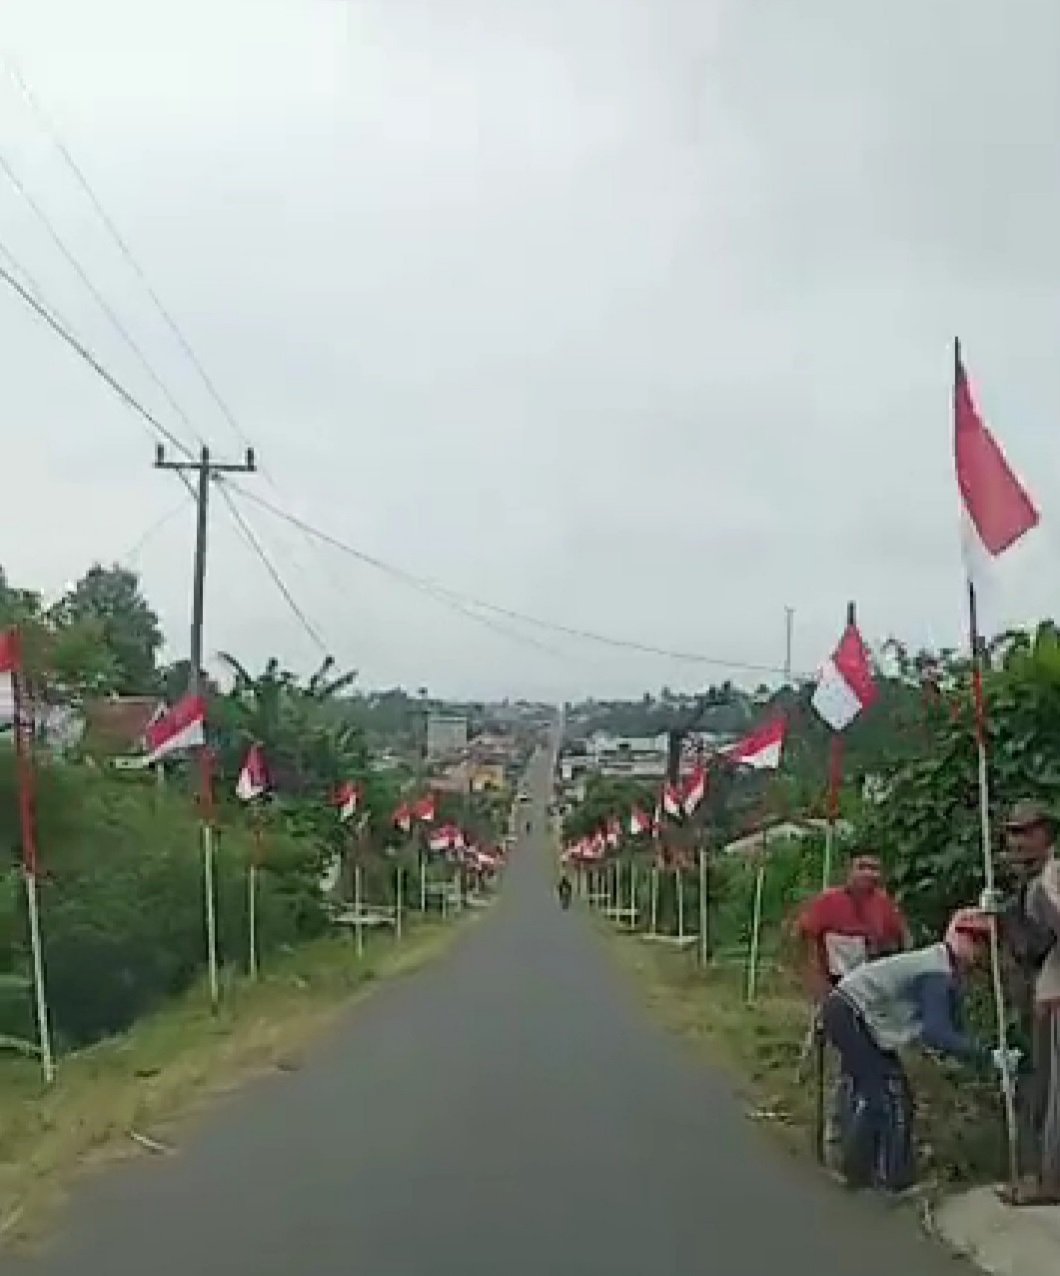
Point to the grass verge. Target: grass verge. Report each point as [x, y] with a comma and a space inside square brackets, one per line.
[760, 1046]
[111, 1097]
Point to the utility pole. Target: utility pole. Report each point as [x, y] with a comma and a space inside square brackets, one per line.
[204, 470]
[789, 626]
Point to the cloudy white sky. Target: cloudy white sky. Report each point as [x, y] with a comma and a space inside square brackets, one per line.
[633, 316]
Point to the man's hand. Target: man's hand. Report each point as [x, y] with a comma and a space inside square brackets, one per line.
[1006, 1061]
[992, 902]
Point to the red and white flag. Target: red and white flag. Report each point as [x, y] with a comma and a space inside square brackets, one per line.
[845, 684]
[253, 779]
[762, 749]
[996, 509]
[181, 727]
[403, 818]
[10, 664]
[613, 833]
[672, 801]
[425, 809]
[639, 822]
[695, 789]
[347, 799]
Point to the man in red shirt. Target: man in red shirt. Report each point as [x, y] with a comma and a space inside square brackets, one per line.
[847, 925]
[841, 928]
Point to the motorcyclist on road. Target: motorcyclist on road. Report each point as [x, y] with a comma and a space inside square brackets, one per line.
[564, 891]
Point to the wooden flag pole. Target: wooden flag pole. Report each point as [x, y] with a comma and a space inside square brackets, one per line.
[653, 901]
[423, 881]
[633, 894]
[704, 911]
[1008, 1081]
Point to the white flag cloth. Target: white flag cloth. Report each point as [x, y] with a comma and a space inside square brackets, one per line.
[179, 728]
[762, 749]
[845, 684]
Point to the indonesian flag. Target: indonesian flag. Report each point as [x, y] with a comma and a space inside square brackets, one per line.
[639, 822]
[403, 818]
[180, 727]
[253, 779]
[672, 802]
[761, 749]
[845, 684]
[10, 664]
[613, 833]
[996, 508]
[695, 789]
[347, 800]
[425, 809]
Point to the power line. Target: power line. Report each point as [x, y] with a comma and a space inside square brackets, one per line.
[51, 129]
[440, 596]
[133, 552]
[570, 631]
[71, 258]
[255, 544]
[61, 330]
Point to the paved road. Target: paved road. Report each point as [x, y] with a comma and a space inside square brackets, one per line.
[507, 1112]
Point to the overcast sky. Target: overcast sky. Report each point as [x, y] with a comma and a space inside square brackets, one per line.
[633, 316]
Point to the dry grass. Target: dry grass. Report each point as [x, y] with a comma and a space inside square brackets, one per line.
[143, 1083]
[761, 1045]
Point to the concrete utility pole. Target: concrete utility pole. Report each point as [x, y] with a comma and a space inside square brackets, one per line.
[204, 469]
[789, 626]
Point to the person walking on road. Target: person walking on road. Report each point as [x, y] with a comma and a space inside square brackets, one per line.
[564, 891]
[882, 1007]
[1030, 926]
[839, 929]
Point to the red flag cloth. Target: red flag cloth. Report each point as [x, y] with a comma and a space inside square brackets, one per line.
[181, 727]
[253, 779]
[347, 799]
[425, 809]
[845, 684]
[403, 817]
[671, 799]
[639, 822]
[996, 503]
[11, 694]
[695, 789]
[762, 749]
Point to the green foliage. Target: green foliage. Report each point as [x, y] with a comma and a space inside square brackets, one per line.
[128, 627]
[927, 826]
[121, 898]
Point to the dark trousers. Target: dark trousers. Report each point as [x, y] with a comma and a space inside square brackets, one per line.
[878, 1137]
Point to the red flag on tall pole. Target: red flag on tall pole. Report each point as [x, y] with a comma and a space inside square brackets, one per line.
[997, 508]
[997, 512]
[11, 674]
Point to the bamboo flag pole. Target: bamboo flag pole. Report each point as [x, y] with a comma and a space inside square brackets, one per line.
[209, 890]
[704, 911]
[997, 512]
[358, 907]
[679, 889]
[399, 878]
[756, 925]
[423, 881]
[633, 894]
[252, 900]
[1008, 1087]
[11, 660]
[653, 901]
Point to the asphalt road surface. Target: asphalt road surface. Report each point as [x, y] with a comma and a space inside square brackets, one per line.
[510, 1111]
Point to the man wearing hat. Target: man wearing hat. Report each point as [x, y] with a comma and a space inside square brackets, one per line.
[885, 1006]
[1031, 929]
